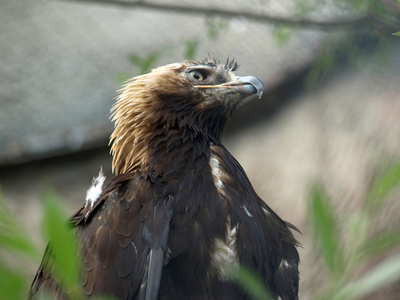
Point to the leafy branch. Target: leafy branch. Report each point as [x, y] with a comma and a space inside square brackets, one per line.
[397, 33]
[368, 20]
[343, 260]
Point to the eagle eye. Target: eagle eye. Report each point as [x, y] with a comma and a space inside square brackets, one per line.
[198, 75]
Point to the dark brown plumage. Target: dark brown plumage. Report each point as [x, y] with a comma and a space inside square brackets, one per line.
[180, 214]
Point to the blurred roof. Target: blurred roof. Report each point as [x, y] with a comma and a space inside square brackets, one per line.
[61, 61]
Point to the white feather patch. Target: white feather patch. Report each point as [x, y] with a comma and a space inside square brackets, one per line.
[94, 192]
[266, 211]
[247, 211]
[224, 256]
[216, 172]
[286, 265]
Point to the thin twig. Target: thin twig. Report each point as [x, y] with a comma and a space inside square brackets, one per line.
[326, 25]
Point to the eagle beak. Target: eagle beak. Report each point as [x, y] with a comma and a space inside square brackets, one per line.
[247, 85]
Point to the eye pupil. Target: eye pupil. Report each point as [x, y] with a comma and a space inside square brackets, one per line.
[196, 76]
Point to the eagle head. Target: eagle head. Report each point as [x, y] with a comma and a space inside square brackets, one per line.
[195, 97]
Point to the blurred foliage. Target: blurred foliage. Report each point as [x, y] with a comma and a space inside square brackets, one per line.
[349, 48]
[282, 34]
[382, 187]
[341, 44]
[215, 26]
[351, 45]
[326, 231]
[12, 237]
[397, 33]
[251, 284]
[14, 242]
[145, 63]
[17, 246]
[189, 47]
[64, 259]
[363, 249]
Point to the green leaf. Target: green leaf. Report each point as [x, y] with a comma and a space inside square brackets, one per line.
[324, 63]
[382, 187]
[16, 241]
[191, 48]
[146, 63]
[326, 233]
[358, 229]
[64, 248]
[122, 77]
[12, 284]
[282, 34]
[215, 26]
[252, 284]
[302, 9]
[385, 273]
[380, 244]
[12, 237]
[396, 33]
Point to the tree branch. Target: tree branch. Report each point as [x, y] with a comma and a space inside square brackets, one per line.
[326, 25]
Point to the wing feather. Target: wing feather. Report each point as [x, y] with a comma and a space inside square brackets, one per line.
[155, 235]
[123, 240]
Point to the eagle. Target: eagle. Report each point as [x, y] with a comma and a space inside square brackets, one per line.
[180, 215]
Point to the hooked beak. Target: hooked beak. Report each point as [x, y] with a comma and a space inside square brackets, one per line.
[247, 85]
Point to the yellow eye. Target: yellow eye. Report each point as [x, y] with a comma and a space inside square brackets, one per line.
[197, 75]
